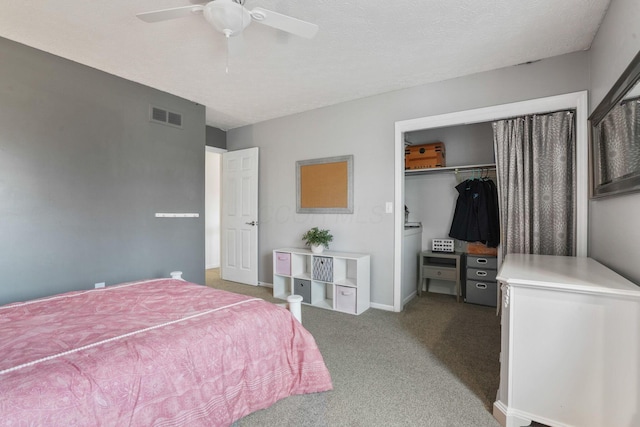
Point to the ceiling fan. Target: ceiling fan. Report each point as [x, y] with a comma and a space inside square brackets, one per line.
[230, 17]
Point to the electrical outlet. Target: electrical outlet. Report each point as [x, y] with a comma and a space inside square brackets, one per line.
[100, 285]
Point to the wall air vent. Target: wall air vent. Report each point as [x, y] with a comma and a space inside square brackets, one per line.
[174, 119]
[159, 115]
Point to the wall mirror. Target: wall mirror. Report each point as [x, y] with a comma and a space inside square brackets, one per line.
[325, 185]
[615, 137]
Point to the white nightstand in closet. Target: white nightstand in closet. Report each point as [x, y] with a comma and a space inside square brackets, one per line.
[442, 266]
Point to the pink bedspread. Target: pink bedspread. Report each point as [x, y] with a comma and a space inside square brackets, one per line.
[158, 352]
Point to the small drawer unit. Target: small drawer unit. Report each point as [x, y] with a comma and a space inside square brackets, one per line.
[283, 263]
[442, 273]
[323, 268]
[440, 266]
[480, 281]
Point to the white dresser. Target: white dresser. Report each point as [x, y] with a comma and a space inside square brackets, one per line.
[570, 351]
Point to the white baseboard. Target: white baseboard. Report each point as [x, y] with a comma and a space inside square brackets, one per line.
[509, 417]
[265, 284]
[411, 296]
[382, 306]
[500, 413]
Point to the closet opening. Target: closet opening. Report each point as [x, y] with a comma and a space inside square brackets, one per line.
[431, 202]
[469, 152]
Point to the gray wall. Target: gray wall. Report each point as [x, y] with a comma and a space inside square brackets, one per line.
[614, 234]
[216, 137]
[82, 173]
[365, 128]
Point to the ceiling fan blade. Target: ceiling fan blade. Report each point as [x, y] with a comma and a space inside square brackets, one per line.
[166, 14]
[284, 22]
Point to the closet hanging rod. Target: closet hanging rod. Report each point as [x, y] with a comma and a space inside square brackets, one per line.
[548, 113]
[450, 169]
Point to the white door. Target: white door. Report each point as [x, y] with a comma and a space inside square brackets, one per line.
[212, 202]
[239, 221]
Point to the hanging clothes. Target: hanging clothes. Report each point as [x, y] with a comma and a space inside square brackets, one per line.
[476, 217]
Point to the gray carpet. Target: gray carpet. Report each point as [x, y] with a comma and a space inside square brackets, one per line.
[434, 364]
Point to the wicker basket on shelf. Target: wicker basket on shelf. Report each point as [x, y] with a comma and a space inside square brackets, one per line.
[479, 248]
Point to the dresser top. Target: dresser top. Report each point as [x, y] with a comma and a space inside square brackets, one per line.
[578, 274]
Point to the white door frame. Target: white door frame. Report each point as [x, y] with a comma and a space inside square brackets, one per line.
[209, 149]
[575, 100]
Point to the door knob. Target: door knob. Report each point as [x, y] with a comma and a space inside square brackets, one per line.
[253, 223]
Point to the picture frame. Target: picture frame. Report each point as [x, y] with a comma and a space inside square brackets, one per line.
[325, 185]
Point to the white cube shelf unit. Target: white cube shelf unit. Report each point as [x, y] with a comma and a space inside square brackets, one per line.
[332, 280]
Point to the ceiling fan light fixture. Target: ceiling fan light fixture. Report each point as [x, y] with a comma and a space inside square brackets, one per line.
[226, 16]
[230, 18]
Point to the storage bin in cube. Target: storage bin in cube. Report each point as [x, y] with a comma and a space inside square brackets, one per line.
[346, 299]
[302, 287]
[323, 268]
[483, 262]
[484, 275]
[283, 263]
[483, 293]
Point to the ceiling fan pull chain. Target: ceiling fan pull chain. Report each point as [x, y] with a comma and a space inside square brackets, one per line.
[226, 66]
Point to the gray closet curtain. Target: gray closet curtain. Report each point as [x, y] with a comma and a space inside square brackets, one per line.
[535, 158]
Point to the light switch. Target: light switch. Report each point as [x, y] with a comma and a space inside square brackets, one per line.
[388, 207]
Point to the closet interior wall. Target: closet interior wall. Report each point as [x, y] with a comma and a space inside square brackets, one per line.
[431, 197]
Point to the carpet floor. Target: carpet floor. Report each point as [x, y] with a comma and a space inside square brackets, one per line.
[434, 364]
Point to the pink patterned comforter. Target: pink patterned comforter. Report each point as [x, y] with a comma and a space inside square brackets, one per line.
[158, 352]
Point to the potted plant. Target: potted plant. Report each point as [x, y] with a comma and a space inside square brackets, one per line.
[317, 239]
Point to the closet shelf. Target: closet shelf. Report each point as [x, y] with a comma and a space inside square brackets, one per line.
[454, 169]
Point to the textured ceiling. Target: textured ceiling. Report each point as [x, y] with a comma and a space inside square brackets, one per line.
[363, 47]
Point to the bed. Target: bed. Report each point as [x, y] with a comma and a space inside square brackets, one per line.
[159, 352]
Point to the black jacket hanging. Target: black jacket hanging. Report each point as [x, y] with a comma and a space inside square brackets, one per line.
[493, 215]
[476, 217]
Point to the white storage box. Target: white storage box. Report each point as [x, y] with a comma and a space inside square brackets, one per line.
[442, 245]
[283, 263]
[346, 299]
